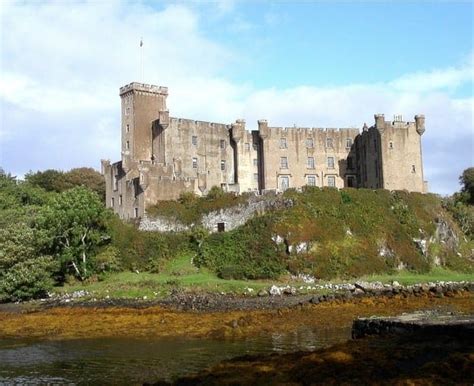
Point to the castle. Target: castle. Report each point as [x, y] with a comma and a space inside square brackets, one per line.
[163, 157]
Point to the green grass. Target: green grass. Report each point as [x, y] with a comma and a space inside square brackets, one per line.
[181, 274]
[408, 278]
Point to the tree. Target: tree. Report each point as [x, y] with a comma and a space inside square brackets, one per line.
[24, 273]
[50, 180]
[467, 180]
[85, 177]
[72, 227]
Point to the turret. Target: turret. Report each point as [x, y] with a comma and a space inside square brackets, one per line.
[379, 121]
[420, 124]
[238, 129]
[263, 128]
[142, 104]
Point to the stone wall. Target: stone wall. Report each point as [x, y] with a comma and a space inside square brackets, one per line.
[230, 218]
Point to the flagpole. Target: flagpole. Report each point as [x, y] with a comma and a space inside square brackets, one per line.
[142, 74]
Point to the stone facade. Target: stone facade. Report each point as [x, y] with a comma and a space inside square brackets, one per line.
[163, 156]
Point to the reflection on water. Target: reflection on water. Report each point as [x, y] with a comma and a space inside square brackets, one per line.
[134, 361]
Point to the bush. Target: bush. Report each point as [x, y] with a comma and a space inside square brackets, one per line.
[27, 279]
[246, 252]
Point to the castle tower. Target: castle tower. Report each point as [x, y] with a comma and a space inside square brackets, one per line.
[142, 104]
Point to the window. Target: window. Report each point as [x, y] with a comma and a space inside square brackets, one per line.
[222, 165]
[283, 144]
[255, 177]
[255, 162]
[350, 182]
[127, 111]
[413, 169]
[112, 202]
[312, 180]
[128, 128]
[223, 144]
[284, 163]
[127, 145]
[348, 143]
[247, 146]
[349, 163]
[115, 182]
[194, 140]
[254, 146]
[328, 142]
[332, 181]
[120, 200]
[135, 212]
[309, 142]
[220, 227]
[310, 162]
[390, 145]
[284, 183]
[330, 162]
[195, 163]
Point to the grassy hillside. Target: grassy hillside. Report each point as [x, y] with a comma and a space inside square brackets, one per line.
[331, 233]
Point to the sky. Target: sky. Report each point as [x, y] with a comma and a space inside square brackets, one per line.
[311, 63]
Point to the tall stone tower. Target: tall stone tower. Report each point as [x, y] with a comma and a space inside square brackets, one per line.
[142, 104]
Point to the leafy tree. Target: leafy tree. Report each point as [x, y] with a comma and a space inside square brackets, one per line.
[24, 273]
[72, 227]
[57, 181]
[87, 177]
[50, 180]
[467, 191]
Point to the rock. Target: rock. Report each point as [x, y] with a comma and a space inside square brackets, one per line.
[262, 293]
[289, 291]
[314, 300]
[395, 283]
[358, 292]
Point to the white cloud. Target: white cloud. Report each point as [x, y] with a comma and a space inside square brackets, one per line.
[446, 78]
[59, 87]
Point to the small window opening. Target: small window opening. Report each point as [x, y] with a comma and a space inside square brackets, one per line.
[223, 144]
[222, 165]
[413, 169]
[283, 144]
[194, 140]
[195, 163]
[330, 162]
[220, 227]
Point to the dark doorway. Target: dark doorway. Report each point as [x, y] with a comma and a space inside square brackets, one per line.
[220, 227]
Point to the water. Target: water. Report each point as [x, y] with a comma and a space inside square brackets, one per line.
[120, 361]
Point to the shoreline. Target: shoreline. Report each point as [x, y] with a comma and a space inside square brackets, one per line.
[214, 302]
[79, 321]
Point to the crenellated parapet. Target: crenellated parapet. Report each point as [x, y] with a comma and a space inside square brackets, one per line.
[144, 88]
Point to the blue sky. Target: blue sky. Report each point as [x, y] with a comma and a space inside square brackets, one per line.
[321, 64]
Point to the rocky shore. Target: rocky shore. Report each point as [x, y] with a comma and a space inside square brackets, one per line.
[273, 298]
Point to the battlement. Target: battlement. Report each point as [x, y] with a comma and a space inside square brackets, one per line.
[143, 87]
[175, 120]
[313, 130]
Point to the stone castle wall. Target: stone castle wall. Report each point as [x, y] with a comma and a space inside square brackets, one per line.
[163, 157]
